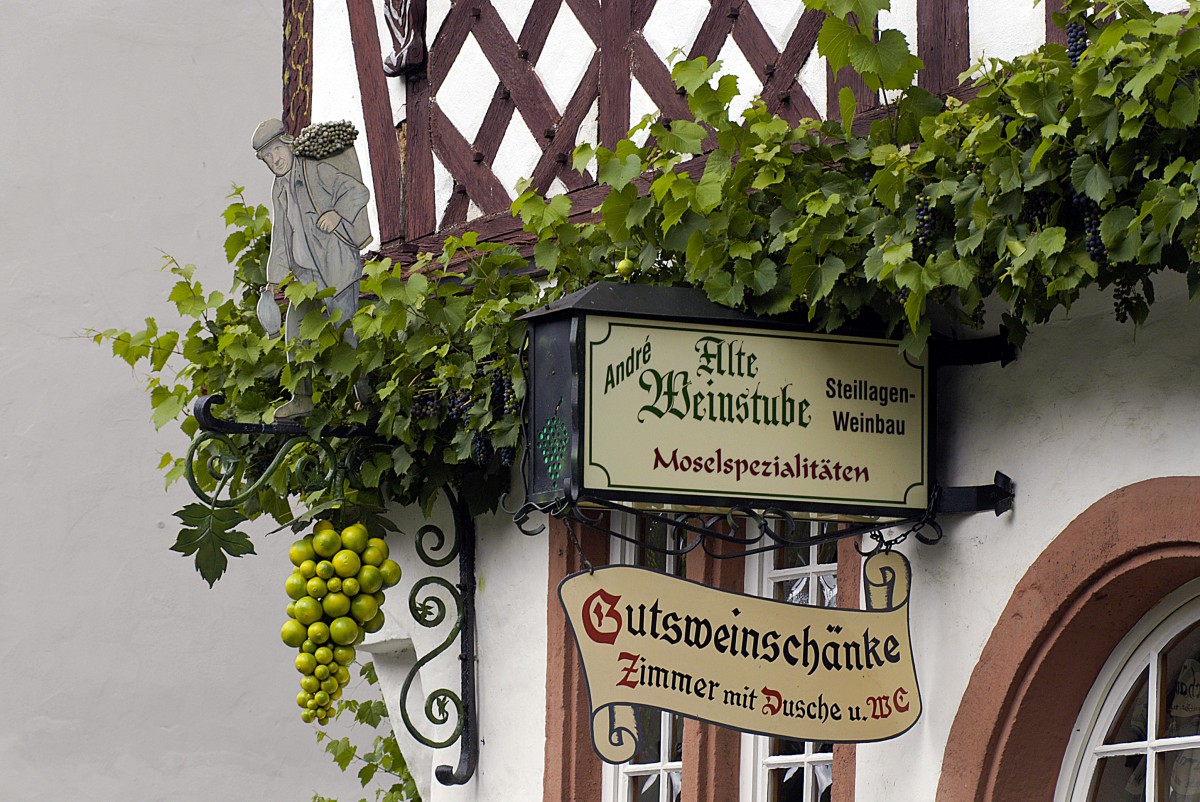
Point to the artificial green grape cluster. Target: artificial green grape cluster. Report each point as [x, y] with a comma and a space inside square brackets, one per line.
[337, 597]
[322, 140]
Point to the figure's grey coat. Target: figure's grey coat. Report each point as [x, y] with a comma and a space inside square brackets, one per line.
[319, 189]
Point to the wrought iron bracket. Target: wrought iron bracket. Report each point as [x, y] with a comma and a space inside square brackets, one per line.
[955, 353]
[338, 453]
[997, 497]
[340, 461]
[429, 610]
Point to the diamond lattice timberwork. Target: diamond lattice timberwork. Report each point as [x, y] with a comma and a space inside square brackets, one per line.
[567, 70]
[605, 48]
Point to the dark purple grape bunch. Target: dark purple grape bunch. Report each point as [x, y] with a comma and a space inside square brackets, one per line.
[1036, 210]
[503, 399]
[507, 455]
[427, 405]
[1089, 212]
[460, 406]
[481, 448]
[1076, 41]
[926, 229]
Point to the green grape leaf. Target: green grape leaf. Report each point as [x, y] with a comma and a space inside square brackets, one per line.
[834, 40]
[209, 534]
[618, 171]
[886, 63]
[1091, 178]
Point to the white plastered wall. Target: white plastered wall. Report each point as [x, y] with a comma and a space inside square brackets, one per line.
[123, 127]
[1088, 408]
[512, 576]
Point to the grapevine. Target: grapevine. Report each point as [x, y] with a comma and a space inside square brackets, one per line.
[337, 596]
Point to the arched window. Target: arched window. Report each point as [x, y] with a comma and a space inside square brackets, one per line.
[1137, 737]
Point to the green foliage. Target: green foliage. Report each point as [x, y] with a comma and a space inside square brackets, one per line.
[1054, 178]
[208, 533]
[382, 761]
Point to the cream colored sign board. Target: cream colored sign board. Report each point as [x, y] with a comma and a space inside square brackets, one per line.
[752, 664]
[744, 413]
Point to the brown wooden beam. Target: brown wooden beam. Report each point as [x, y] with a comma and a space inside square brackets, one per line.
[516, 73]
[943, 43]
[1054, 33]
[556, 158]
[865, 100]
[572, 768]
[297, 64]
[477, 179]
[448, 44]
[714, 30]
[849, 585]
[500, 110]
[782, 79]
[615, 70]
[420, 214]
[382, 147]
[655, 78]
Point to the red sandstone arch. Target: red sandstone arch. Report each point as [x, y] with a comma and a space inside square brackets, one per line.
[1106, 570]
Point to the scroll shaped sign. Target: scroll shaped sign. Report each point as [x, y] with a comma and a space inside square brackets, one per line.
[748, 663]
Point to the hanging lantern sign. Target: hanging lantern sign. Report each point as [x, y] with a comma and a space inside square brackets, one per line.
[744, 662]
[654, 395]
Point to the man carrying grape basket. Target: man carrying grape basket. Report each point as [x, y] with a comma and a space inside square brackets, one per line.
[319, 226]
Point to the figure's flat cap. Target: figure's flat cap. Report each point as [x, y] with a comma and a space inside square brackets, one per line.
[267, 132]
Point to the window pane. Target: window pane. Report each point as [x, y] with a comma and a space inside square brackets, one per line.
[828, 583]
[792, 556]
[794, 591]
[675, 778]
[827, 553]
[823, 781]
[1180, 707]
[1130, 724]
[1119, 779]
[786, 784]
[1182, 775]
[649, 723]
[676, 753]
[644, 789]
[786, 746]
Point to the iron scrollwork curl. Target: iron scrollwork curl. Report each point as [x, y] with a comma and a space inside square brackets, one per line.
[751, 530]
[338, 454]
[433, 600]
[226, 462]
[430, 611]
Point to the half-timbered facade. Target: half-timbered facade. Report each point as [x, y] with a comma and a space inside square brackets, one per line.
[503, 91]
[1033, 633]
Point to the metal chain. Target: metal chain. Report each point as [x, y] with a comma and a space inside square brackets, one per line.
[917, 530]
[571, 525]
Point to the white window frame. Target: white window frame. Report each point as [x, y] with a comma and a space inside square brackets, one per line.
[757, 762]
[1133, 656]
